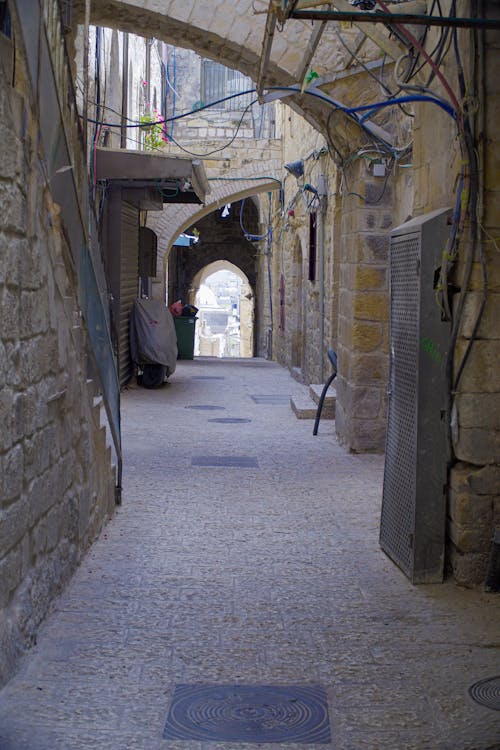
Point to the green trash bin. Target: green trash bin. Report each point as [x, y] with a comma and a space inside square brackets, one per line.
[184, 329]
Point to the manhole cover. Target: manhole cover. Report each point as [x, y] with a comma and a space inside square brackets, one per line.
[240, 461]
[246, 713]
[207, 377]
[256, 364]
[271, 399]
[206, 407]
[229, 420]
[487, 692]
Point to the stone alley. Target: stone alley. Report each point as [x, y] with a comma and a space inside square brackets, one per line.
[246, 552]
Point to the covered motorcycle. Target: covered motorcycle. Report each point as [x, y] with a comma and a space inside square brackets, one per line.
[153, 341]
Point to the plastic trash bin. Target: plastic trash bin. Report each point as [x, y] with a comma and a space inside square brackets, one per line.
[184, 329]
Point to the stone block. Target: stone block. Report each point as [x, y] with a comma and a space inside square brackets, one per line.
[6, 427]
[477, 446]
[468, 569]
[24, 417]
[35, 317]
[479, 410]
[371, 306]
[44, 492]
[53, 519]
[469, 540]
[363, 403]
[378, 193]
[10, 574]
[488, 327]
[11, 475]
[39, 538]
[370, 277]
[367, 435]
[481, 372]
[9, 314]
[11, 157]
[13, 524]
[467, 479]
[366, 336]
[471, 511]
[14, 215]
[10, 249]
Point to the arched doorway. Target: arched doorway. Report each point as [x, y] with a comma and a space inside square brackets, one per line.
[225, 300]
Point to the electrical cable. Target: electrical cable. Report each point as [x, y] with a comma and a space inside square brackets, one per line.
[249, 235]
[473, 201]
[221, 148]
[407, 33]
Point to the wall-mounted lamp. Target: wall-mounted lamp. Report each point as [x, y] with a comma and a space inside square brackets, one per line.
[296, 168]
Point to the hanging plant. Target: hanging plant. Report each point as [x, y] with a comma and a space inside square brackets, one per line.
[155, 135]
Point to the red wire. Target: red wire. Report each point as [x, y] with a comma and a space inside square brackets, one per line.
[431, 62]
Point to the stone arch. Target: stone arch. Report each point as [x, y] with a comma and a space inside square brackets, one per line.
[246, 302]
[177, 218]
[234, 35]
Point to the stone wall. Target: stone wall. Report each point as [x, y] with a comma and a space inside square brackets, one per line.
[363, 347]
[296, 296]
[56, 479]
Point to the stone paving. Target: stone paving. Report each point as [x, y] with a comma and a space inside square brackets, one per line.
[256, 575]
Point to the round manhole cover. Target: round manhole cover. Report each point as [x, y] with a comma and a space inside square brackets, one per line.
[206, 407]
[487, 692]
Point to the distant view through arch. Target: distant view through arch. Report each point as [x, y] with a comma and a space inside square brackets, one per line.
[225, 300]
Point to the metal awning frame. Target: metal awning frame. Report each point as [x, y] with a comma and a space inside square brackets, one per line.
[160, 172]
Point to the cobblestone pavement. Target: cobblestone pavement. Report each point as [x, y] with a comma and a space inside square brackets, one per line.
[261, 575]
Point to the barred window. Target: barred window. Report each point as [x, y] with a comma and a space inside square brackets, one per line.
[217, 82]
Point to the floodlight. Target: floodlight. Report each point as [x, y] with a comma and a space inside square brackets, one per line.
[295, 167]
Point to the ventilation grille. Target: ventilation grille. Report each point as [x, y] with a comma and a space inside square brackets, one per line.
[412, 529]
[398, 509]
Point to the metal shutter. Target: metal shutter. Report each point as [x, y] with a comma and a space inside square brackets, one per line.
[129, 284]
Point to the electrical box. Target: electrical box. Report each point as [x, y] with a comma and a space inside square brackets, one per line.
[412, 528]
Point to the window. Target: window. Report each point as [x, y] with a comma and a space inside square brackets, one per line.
[312, 246]
[218, 82]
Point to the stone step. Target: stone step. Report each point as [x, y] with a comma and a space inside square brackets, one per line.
[328, 411]
[303, 406]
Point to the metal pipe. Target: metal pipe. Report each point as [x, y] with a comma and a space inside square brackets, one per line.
[394, 18]
[123, 135]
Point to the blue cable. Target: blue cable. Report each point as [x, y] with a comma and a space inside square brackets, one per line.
[401, 100]
[253, 237]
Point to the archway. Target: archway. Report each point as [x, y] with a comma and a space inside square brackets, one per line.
[225, 299]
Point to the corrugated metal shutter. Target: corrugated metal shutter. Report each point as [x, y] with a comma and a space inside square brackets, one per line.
[129, 284]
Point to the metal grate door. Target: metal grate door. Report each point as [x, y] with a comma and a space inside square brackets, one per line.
[129, 284]
[412, 528]
[398, 511]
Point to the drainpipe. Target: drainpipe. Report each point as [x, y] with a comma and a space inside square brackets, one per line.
[323, 197]
[123, 136]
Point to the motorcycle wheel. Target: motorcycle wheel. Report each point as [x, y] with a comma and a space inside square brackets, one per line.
[153, 376]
